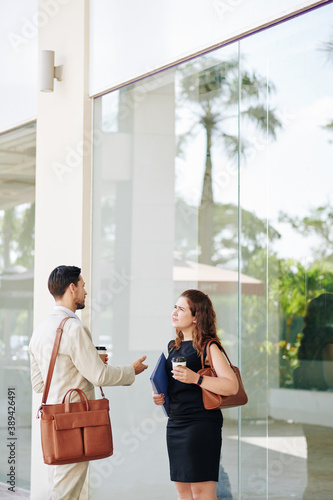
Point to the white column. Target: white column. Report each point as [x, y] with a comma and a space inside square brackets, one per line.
[63, 171]
[153, 214]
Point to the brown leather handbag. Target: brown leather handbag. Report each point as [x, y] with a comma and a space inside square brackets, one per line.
[73, 432]
[214, 401]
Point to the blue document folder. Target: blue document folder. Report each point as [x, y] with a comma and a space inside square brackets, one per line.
[160, 382]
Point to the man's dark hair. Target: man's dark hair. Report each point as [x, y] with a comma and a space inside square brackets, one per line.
[60, 279]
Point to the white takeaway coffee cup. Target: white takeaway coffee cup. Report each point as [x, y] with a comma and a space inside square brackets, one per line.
[178, 361]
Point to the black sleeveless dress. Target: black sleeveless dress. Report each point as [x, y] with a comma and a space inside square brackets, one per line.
[194, 434]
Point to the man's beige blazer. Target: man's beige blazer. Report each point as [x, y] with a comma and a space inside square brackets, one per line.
[78, 364]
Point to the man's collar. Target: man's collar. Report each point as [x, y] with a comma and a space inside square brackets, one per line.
[67, 311]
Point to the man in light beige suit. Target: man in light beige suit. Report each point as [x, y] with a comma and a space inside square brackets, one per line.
[78, 365]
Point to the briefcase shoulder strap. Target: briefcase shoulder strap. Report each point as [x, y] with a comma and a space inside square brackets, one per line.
[55, 349]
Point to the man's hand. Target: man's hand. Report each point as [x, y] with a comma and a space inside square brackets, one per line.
[139, 367]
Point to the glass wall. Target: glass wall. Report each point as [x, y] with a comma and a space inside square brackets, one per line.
[17, 222]
[287, 336]
[216, 175]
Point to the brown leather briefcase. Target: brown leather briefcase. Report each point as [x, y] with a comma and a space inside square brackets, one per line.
[73, 432]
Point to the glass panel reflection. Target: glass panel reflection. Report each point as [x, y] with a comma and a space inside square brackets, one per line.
[215, 175]
[286, 339]
[17, 222]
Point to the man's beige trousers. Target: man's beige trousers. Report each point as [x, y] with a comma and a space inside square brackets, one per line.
[66, 481]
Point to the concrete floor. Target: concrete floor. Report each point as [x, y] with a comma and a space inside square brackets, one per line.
[9, 495]
[277, 458]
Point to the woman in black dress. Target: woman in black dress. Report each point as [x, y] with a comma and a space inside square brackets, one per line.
[193, 433]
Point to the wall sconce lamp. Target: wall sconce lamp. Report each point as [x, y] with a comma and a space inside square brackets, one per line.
[49, 72]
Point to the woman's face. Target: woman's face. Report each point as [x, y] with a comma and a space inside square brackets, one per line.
[181, 315]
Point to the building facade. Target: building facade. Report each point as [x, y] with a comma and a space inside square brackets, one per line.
[188, 145]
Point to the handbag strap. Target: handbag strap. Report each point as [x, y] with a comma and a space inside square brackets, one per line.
[55, 350]
[207, 350]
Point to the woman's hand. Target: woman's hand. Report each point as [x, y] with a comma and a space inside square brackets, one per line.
[185, 375]
[158, 399]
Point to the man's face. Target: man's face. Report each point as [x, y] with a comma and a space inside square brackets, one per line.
[80, 294]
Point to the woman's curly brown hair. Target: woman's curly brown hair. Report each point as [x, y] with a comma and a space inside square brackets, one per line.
[205, 328]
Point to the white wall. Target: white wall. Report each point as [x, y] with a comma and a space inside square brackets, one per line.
[63, 173]
[131, 38]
